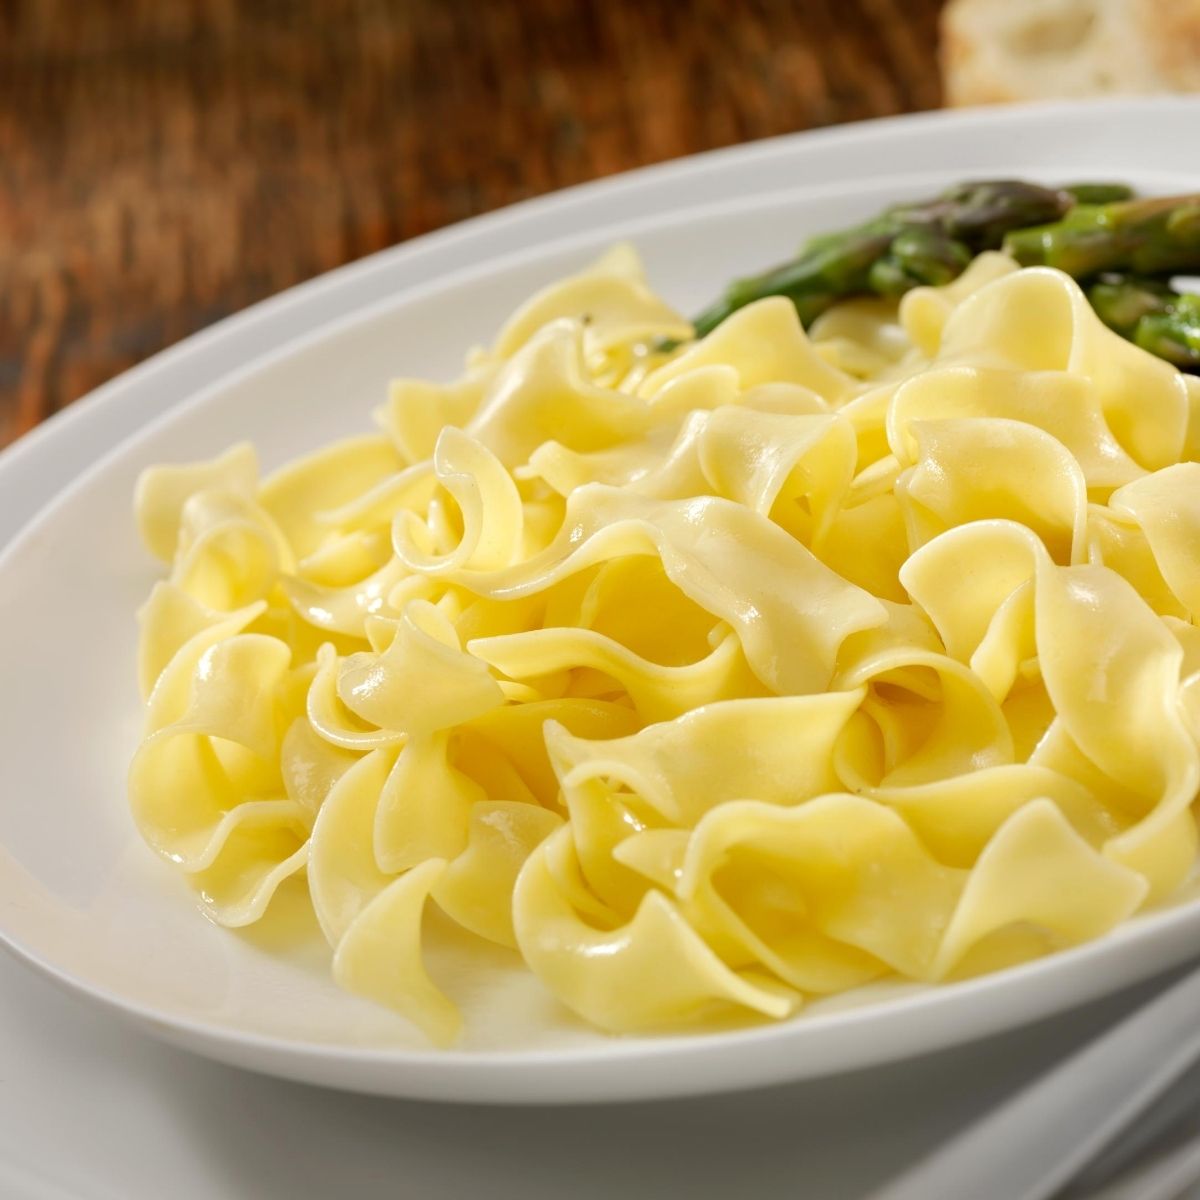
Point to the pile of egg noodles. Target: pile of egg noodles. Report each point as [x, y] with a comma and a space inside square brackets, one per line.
[708, 680]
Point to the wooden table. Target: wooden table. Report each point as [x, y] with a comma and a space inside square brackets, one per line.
[164, 163]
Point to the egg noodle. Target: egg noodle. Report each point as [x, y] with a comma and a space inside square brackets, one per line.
[707, 679]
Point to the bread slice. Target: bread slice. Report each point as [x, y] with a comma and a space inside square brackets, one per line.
[999, 50]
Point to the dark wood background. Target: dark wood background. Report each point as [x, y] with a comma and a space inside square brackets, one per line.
[166, 162]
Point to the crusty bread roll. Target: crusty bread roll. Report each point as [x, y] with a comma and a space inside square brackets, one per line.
[998, 50]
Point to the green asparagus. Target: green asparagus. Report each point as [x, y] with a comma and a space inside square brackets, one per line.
[1123, 250]
[1099, 193]
[909, 244]
[1158, 236]
[1152, 314]
[1121, 301]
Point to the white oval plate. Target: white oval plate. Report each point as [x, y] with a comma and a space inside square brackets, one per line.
[83, 900]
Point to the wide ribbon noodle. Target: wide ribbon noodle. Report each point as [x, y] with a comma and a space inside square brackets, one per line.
[705, 679]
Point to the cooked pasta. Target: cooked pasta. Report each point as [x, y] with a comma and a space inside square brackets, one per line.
[710, 679]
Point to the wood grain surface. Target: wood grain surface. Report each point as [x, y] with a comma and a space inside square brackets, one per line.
[164, 163]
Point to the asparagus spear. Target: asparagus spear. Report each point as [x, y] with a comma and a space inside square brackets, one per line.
[1151, 314]
[1099, 193]
[909, 244]
[1121, 301]
[1158, 236]
[1124, 250]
